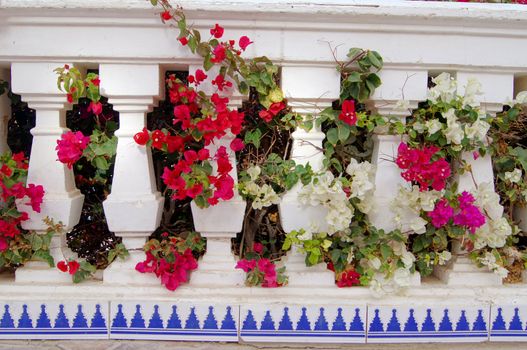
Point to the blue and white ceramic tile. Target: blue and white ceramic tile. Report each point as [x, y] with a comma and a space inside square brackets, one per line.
[448, 323]
[53, 320]
[303, 323]
[508, 323]
[174, 321]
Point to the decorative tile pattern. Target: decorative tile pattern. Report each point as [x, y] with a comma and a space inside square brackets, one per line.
[174, 321]
[448, 323]
[298, 323]
[508, 323]
[53, 320]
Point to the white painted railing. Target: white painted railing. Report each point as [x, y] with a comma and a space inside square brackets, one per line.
[131, 48]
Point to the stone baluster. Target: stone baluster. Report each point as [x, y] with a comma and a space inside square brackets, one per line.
[308, 89]
[134, 207]
[221, 222]
[5, 112]
[410, 86]
[497, 89]
[37, 84]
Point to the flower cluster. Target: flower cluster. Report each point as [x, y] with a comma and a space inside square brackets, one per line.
[71, 146]
[13, 173]
[419, 167]
[261, 271]
[261, 195]
[71, 266]
[171, 259]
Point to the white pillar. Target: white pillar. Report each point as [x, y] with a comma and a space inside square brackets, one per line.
[497, 89]
[134, 207]
[221, 222]
[396, 85]
[5, 112]
[37, 83]
[308, 89]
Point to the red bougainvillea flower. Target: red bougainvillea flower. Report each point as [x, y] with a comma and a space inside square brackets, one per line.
[244, 42]
[70, 147]
[274, 109]
[217, 31]
[3, 244]
[70, 98]
[183, 41]
[219, 54]
[62, 266]
[198, 78]
[221, 83]
[73, 267]
[36, 196]
[348, 279]
[348, 115]
[166, 15]
[158, 139]
[5, 171]
[237, 145]
[95, 108]
[203, 154]
[20, 159]
[182, 114]
[96, 81]
[142, 137]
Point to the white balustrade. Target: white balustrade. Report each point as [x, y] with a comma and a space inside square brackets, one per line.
[37, 84]
[397, 85]
[5, 112]
[221, 222]
[134, 207]
[308, 89]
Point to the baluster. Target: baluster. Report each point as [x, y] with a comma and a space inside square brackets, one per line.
[396, 85]
[5, 113]
[497, 89]
[37, 83]
[134, 207]
[221, 222]
[308, 90]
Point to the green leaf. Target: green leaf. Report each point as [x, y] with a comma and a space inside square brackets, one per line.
[153, 2]
[332, 136]
[521, 154]
[100, 162]
[343, 132]
[354, 77]
[375, 59]
[386, 251]
[44, 255]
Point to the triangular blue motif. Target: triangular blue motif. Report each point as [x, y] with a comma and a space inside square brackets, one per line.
[462, 325]
[7, 320]
[321, 324]
[43, 319]
[119, 321]
[285, 323]
[267, 323]
[192, 320]
[80, 321]
[138, 320]
[516, 323]
[357, 325]
[428, 324]
[411, 324]
[446, 324]
[393, 325]
[62, 321]
[376, 324]
[98, 320]
[25, 321]
[249, 323]
[339, 324]
[210, 321]
[479, 324]
[174, 322]
[499, 322]
[303, 323]
[228, 322]
[155, 321]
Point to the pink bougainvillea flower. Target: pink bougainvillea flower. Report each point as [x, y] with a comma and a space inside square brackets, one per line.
[469, 215]
[195, 191]
[258, 247]
[219, 54]
[222, 158]
[3, 244]
[246, 265]
[70, 147]
[36, 196]
[95, 108]
[237, 145]
[244, 42]
[348, 115]
[441, 214]
[217, 31]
